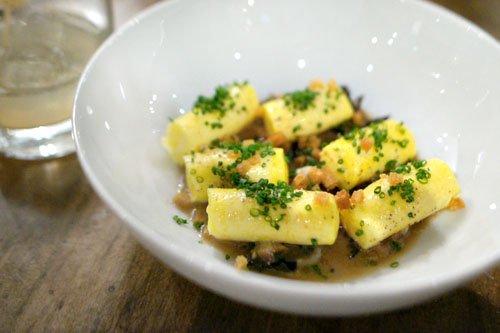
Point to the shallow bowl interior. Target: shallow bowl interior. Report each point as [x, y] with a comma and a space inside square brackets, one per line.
[411, 60]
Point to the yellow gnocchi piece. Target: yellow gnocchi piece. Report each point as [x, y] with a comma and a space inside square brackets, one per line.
[231, 217]
[203, 125]
[384, 212]
[307, 112]
[200, 177]
[351, 163]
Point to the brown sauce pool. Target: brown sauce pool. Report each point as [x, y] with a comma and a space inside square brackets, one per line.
[335, 263]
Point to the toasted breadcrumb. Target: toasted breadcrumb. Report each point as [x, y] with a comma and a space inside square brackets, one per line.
[279, 140]
[395, 178]
[456, 204]
[300, 182]
[241, 262]
[232, 154]
[316, 175]
[328, 180]
[332, 85]
[316, 85]
[246, 165]
[342, 198]
[322, 198]
[357, 197]
[255, 159]
[367, 143]
[243, 167]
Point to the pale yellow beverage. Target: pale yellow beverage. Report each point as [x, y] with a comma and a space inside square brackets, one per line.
[42, 56]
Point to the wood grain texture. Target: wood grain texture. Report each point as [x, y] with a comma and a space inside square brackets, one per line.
[68, 264]
[484, 13]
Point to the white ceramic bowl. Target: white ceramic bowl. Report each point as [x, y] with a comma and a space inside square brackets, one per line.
[411, 60]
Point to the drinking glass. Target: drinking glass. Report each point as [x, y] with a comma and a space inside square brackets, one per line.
[44, 46]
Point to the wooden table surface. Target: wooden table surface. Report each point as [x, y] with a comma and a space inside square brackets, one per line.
[68, 264]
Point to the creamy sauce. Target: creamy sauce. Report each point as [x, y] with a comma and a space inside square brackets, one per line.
[335, 263]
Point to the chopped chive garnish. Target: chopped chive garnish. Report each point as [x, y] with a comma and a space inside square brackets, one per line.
[179, 220]
[317, 270]
[300, 100]
[396, 246]
[219, 103]
[423, 176]
[419, 164]
[254, 212]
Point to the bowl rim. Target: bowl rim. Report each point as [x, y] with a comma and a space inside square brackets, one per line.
[320, 292]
